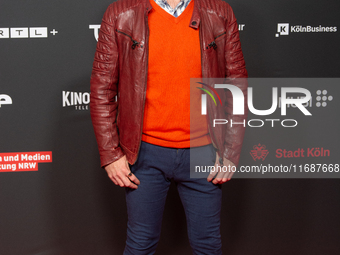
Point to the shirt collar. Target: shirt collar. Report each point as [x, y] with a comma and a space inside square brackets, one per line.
[177, 10]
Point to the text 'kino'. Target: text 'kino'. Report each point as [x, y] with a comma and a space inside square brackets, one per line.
[75, 98]
[238, 100]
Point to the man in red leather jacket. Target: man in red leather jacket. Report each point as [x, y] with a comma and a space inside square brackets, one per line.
[137, 57]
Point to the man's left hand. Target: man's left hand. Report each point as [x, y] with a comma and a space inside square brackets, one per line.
[219, 177]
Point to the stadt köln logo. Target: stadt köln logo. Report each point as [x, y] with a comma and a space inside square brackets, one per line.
[259, 152]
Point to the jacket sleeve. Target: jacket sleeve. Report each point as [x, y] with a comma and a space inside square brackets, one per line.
[236, 74]
[104, 89]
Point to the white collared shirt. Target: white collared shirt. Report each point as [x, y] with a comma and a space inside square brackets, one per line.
[177, 10]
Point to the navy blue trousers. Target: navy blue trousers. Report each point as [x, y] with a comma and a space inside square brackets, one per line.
[155, 167]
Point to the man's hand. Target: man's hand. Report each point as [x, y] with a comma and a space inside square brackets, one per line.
[220, 176]
[119, 172]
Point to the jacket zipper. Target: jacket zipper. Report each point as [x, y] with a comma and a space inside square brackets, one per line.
[209, 127]
[213, 44]
[146, 79]
[134, 42]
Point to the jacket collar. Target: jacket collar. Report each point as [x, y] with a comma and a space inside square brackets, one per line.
[196, 17]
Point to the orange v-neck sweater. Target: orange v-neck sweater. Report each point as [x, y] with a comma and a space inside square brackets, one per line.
[174, 58]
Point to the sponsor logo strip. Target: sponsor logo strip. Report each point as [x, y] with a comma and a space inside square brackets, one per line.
[23, 161]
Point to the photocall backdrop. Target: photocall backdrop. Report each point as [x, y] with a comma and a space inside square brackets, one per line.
[56, 200]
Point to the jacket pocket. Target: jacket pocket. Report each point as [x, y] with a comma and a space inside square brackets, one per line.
[134, 42]
[213, 43]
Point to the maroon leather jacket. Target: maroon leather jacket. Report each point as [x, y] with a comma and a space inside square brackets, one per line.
[120, 69]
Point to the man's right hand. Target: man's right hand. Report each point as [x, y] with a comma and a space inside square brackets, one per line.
[119, 171]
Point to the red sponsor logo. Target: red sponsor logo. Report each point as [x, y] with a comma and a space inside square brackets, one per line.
[259, 152]
[23, 161]
[301, 153]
